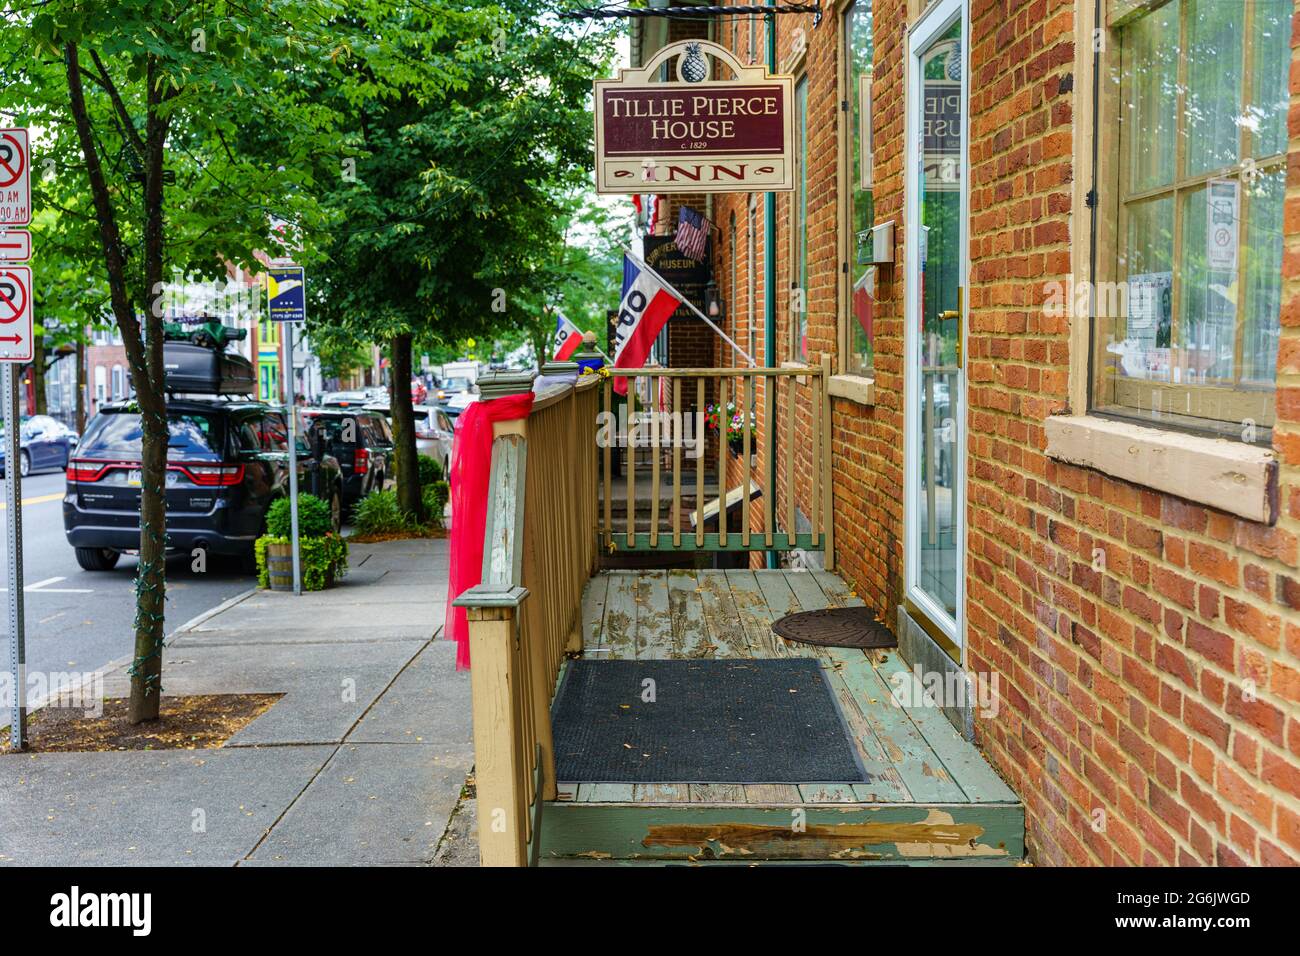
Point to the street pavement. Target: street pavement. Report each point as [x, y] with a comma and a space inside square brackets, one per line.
[81, 620]
[361, 761]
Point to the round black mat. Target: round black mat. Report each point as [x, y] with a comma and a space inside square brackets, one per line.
[836, 627]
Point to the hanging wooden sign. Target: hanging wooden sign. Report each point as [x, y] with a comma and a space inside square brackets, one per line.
[694, 135]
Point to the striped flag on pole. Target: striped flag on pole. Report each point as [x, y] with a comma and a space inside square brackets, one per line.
[692, 235]
[567, 338]
[647, 304]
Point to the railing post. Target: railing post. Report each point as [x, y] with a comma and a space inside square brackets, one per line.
[517, 560]
[493, 613]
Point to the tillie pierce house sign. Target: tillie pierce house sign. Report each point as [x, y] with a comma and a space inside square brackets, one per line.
[694, 135]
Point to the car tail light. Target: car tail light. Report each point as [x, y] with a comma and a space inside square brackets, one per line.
[361, 463]
[211, 476]
[424, 431]
[81, 469]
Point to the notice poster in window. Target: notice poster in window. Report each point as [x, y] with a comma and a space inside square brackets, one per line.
[1221, 208]
[1145, 350]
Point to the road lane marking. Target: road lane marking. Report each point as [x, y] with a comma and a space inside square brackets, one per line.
[39, 499]
[40, 588]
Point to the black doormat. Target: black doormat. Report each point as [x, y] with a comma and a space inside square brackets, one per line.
[713, 721]
[836, 627]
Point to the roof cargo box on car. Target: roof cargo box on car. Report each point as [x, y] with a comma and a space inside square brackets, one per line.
[196, 368]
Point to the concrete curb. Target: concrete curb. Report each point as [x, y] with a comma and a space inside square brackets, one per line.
[212, 612]
[101, 672]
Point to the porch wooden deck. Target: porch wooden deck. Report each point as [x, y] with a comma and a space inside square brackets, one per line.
[931, 796]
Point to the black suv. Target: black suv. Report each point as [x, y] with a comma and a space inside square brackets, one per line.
[227, 461]
[359, 439]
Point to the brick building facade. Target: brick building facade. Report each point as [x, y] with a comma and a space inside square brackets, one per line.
[1129, 574]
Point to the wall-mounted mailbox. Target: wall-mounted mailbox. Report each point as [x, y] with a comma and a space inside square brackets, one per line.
[880, 246]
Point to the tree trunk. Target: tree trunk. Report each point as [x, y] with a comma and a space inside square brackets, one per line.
[150, 581]
[81, 385]
[408, 469]
[146, 371]
[39, 405]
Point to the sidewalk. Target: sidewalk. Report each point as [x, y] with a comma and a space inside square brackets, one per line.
[362, 760]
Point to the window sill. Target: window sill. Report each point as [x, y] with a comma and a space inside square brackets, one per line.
[1230, 476]
[855, 388]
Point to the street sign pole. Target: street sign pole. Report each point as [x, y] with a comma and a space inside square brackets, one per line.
[286, 303]
[286, 378]
[17, 338]
[14, 569]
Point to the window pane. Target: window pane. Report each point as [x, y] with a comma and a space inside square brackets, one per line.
[1140, 348]
[1262, 277]
[1207, 318]
[1271, 58]
[858, 60]
[1214, 55]
[1150, 62]
[1195, 343]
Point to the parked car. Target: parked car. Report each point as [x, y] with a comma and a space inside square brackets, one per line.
[227, 461]
[450, 388]
[359, 439]
[434, 431]
[45, 444]
[353, 399]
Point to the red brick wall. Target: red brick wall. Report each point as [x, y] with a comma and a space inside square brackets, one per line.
[1150, 697]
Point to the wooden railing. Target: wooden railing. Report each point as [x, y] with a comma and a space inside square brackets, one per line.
[658, 432]
[539, 551]
[550, 505]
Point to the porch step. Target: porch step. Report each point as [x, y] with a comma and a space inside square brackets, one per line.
[901, 834]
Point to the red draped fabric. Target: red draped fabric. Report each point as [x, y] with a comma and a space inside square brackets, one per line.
[471, 470]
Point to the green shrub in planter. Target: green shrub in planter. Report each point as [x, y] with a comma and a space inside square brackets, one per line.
[430, 471]
[323, 554]
[323, 559]
[314, 519]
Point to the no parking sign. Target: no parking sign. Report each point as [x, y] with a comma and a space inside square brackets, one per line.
[15, 178]
[15, 314]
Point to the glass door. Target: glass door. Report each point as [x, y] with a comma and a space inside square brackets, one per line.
[935, 421]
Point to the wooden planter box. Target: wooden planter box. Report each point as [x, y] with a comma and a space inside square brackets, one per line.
[279, 568]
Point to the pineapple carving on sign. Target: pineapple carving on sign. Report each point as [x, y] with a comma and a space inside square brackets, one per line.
[698, 133]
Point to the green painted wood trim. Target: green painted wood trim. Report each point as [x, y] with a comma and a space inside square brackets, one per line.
[978, 780]
[781, 541]
[593, 831]
[492, 595]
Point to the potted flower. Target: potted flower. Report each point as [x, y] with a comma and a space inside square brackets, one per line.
[714, 415]
[322, 552]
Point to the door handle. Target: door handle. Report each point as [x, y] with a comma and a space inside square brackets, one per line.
[956, 314]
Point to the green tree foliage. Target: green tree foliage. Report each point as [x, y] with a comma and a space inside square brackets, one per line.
[464, 130]
[161, 146]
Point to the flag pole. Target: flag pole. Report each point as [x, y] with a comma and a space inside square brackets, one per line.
[691, 305]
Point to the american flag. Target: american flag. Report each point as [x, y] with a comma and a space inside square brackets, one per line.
[692, 233]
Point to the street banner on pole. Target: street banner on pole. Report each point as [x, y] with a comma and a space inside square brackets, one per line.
[286, 294]
[15, 178]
